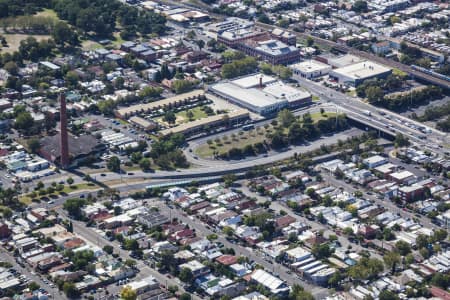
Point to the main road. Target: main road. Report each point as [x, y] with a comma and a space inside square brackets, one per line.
[379, 118]
[405, 68]
[94, 238]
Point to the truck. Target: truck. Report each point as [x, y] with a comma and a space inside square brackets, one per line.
[248, 127]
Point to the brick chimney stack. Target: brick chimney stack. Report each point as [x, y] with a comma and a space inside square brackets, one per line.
[63, 131]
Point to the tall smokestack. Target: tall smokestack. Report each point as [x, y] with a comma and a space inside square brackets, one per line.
[64, 139]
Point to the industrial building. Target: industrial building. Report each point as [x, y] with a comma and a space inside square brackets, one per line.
[355, 74]
[142, 123]
[261, 94]
[176, 101]
[199, 126]
[79, 148]
[275, 47]
[310, 69]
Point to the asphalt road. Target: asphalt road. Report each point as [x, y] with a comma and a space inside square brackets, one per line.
[387, 204]
[211, 168]
[93, 237]
[53, 291]
[357, 109]
[258, 257]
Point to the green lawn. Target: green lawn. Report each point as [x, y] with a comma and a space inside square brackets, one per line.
[26, 199]
[239, 141]
[78, 187]
[117, 39]
[49, 13]
[90, 45]
[198, 113]
[318, 116]
[315, 98]
[181, 116]
[398, 72]
[246, 138]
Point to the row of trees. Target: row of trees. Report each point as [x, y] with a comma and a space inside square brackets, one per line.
[102, 16]
[413, 98]
[444, 125]
[367, 88]
[280, 70]
[375, 91]
[434, 113]
[12, 8]
[166, 152]
[291, 130]
[239, 67]
[28, 24]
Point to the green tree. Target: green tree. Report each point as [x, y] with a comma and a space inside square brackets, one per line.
[185, 296]
[335, 280]
[200, 43]
[388, 295]
[286, 118]
[190, 115]
[401, 140]
[299, 293]
[391, 259]
[70, 290]
[440, 235]
[24, 121]
[441, 280]
[73, 207]
[186, 275]
[113, 164]
[182, 86]
[33, 286]
[403, 248]
[229, 179]
[72, 79]
[70, 181]
[130, 263]
[34, 145]
[228, 231]
[11, 67]
[127, 293]
[170, 117]
[150, 92]
[366, 268]
[374, 94]
[145, 164]
[108, 249]
[239, 67]
[321, 251]
[360, 6]
[107, 107]
[62, 33]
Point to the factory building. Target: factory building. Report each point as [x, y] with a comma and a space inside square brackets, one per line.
[261, 94]
[355, 74]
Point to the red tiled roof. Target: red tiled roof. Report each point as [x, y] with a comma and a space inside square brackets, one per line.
[439, 293]
[284, 221]
[227, 260]
[73, 243]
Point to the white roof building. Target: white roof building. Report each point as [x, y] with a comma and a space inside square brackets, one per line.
[274, 284]
[310, 69]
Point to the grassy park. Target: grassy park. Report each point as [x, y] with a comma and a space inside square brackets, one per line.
[274, 135]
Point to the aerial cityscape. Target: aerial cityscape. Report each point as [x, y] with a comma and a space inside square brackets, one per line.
[224, 149]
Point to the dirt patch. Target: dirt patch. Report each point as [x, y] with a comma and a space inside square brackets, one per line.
[14, 39]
